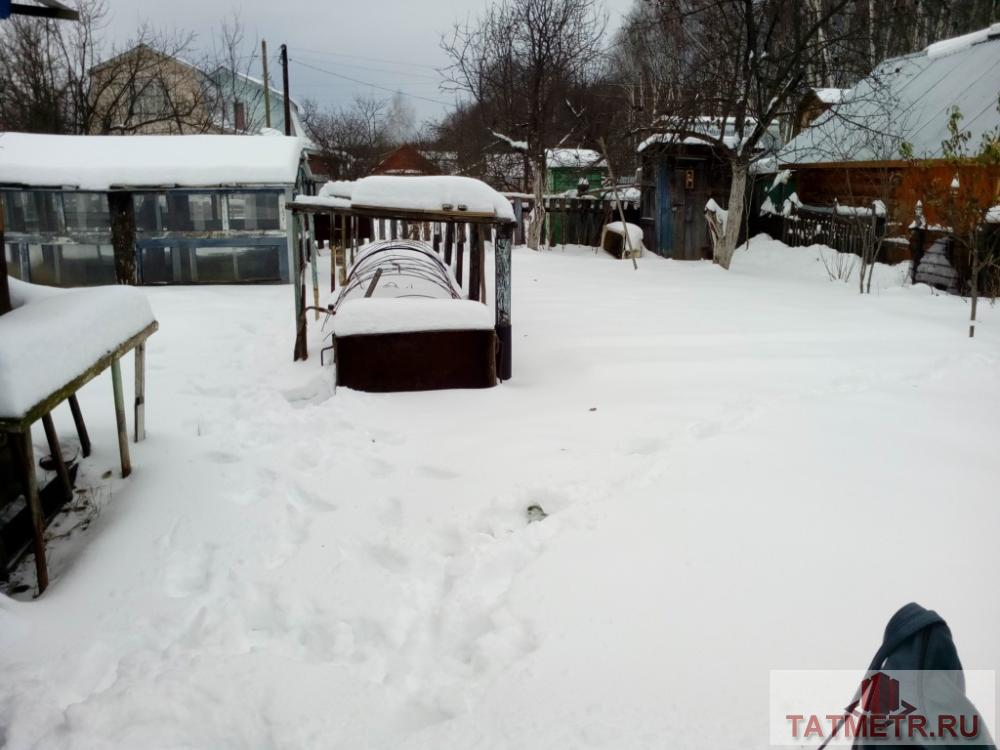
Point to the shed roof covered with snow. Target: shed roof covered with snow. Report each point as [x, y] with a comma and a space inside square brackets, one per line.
[105, 162]
[908, 100]
[439, 197]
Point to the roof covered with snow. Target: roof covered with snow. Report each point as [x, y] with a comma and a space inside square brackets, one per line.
[830, 96]
[907, 100]
[102, 162]
[431, 193]
[688, 131]
[573, 158]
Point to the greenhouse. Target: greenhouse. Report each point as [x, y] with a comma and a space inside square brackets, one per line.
[205, 209]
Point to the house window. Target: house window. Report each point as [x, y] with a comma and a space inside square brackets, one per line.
[149, 98]
[240, 116]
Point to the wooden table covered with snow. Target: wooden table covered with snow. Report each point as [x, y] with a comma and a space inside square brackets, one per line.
[52, 343]
[400, 322]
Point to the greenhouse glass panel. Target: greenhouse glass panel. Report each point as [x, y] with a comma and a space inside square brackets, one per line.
[254, 211]
[193, 212]
[86, 212]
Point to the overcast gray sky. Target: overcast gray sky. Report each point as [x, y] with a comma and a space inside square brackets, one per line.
[388, 43]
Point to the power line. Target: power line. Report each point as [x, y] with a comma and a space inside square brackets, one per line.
[436, 79]
[327, 53]
[372, 85]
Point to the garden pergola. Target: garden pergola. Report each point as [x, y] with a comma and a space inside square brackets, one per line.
[445, 212]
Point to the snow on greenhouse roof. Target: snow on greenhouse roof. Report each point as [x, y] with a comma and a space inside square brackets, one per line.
[430, 193]
[573, 158]
[102, 162]
[907, 100]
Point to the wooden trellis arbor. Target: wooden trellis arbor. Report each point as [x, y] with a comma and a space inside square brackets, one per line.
[447, 231]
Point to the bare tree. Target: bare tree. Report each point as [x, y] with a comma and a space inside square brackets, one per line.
[66, 78]
[738, 67]
[234, 98]
[351, 140]
[520, 58]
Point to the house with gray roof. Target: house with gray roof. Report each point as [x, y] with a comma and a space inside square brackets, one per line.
[903, 106]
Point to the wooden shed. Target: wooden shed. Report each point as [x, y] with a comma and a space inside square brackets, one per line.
[883, 140]
[679, 176]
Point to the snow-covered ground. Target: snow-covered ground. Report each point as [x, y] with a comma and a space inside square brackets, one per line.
[742, 471]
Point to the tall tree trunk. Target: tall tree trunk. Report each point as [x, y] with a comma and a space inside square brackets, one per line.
[536, 221]
[734, 220]
[122, 209]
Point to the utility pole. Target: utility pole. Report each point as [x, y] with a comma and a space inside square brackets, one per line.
[284, 86]
[267, 84]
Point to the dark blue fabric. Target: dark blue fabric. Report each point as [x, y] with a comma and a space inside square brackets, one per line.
[919, 639]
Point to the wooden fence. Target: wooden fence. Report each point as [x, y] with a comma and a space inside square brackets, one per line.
[571, 221]
[815, 225]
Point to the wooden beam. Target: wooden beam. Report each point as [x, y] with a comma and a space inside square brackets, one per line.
[299, 351]
[81, 427]
[27, 455]
[140, 393]
[55, 450]
[449, 238]
[460, 252]
[399, 214]
[47, 9]
[116, 382]
[475, 261]
[5, 303]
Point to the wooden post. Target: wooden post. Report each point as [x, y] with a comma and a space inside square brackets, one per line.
[314, 261]
[116, 382]
[121, 206]
[140, 392]
[502, 257]
[550, 218]
[35, 505]
[460, 251]
[286, 100]
[519, 218]
[55, 450]
[475, 260]
[267, 84]
[437, 238]
[449, 235]
[299, 289]
[81, 427]
[5, 304]
[345, 258]
[333, 258]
